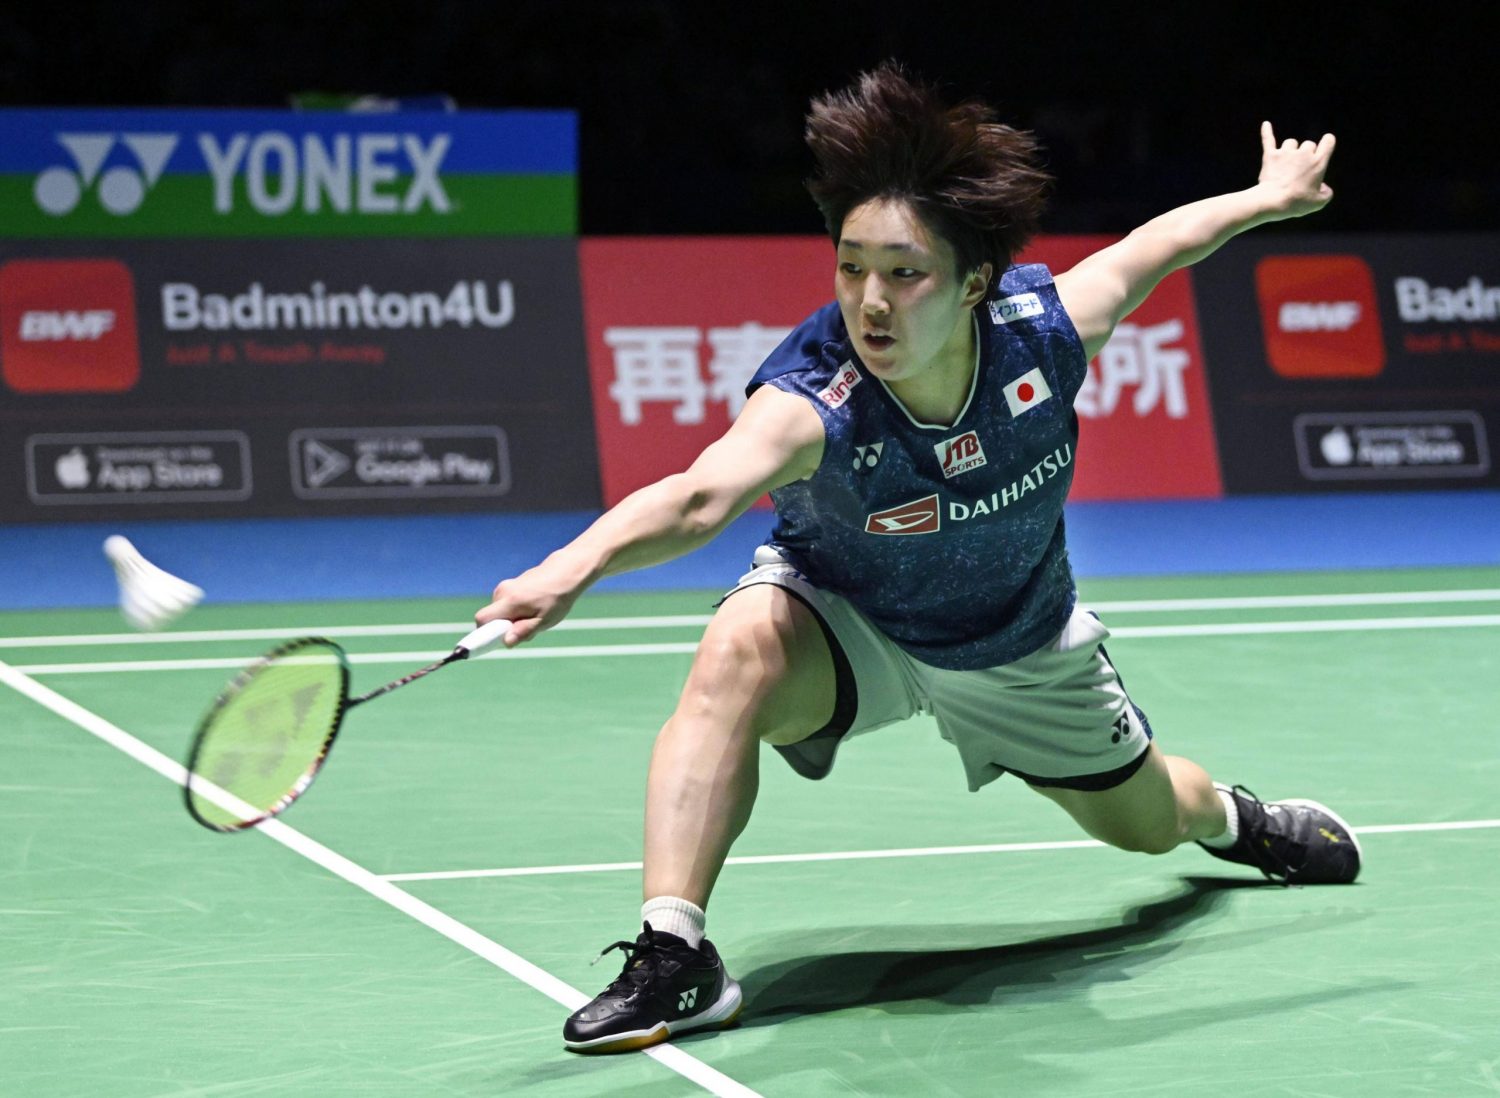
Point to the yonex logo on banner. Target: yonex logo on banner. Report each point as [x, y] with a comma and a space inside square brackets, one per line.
[68, 326]
[380, 173]
[1319, 316]
[194, 173]
[121, 188]
[344, 172]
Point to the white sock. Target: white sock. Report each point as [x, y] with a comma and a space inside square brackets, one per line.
[1232, 814]
[674, 915]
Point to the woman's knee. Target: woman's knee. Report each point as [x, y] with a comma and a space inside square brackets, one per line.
[764, 666]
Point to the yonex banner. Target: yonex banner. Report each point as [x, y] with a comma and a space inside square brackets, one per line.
[202, 173]
[1355, 362]
[171, 378]
[669, 356]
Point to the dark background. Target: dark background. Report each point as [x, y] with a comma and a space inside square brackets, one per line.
[691, 111]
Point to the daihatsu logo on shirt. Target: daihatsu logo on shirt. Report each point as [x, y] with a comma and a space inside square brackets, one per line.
[919, 516]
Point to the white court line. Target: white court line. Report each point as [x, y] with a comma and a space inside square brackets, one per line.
[451, 628]
[710, 1079]
[859, 855]
[675, 621]
[1284, 602]
[538, 652]
[560, 651]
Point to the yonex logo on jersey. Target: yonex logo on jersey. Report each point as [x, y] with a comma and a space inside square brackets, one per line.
[919, 516]
[838, 392]
[959, 455]
[1026, 392]
[867, 457]
[58, 190]
[1016, 307]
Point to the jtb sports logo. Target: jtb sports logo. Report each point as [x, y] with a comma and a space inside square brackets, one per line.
[920, 516]
[1319, 316]
[960, 454]
[68, 326]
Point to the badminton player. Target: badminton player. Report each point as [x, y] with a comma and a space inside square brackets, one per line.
[918, 440]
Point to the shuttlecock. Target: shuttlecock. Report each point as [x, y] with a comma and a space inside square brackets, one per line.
[150, 598]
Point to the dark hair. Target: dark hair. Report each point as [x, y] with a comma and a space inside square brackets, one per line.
[975, 182]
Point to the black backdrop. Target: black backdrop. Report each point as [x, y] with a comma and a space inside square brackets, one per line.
[691, 111]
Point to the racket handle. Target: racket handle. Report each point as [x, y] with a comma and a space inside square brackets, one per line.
[482, 639]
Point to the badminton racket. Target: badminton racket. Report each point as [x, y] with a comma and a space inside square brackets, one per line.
[269, 732]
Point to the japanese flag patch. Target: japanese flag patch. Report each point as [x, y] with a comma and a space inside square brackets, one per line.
[1026, 392]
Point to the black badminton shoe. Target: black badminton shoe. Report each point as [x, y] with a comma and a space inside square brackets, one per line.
[667, 988]
[1293, 842]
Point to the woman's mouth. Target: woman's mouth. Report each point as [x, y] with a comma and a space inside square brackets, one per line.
[877, 341]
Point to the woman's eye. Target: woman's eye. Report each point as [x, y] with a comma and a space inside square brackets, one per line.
[849, 268]
[906, 272]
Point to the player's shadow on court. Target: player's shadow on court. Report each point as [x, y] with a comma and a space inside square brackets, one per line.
[1038, 970]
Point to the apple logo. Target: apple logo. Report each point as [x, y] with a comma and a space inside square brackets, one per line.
[73, 469]
[1336, 446]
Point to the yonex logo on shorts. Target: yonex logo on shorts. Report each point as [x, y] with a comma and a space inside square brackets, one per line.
[960, 454]
[1016, 307]
[920, 516]
[121, 189]
[1319, 316]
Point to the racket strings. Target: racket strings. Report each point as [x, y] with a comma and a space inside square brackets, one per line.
[265, 738]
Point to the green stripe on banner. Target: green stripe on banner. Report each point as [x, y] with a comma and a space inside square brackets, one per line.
[184, 206]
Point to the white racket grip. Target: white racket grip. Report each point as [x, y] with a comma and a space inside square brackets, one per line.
[482, 639]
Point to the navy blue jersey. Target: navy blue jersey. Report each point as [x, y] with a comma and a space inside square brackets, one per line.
[950, 539]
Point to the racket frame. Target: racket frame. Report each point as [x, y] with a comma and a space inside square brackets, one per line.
[232, 690]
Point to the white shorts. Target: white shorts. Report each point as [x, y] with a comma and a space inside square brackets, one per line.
[1058, 717]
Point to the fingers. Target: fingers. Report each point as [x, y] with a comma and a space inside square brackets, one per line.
[1325, 147]
[521, 629]
[1267, 138]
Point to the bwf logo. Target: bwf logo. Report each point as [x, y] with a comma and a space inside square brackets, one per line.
[959, 455]
[1319, 316]
[121, 189]
[68, 326]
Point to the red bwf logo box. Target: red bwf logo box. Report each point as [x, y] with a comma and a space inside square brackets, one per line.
[68, 326]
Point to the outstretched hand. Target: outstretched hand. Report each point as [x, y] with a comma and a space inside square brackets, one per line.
[531, 602]
[1292, 173]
